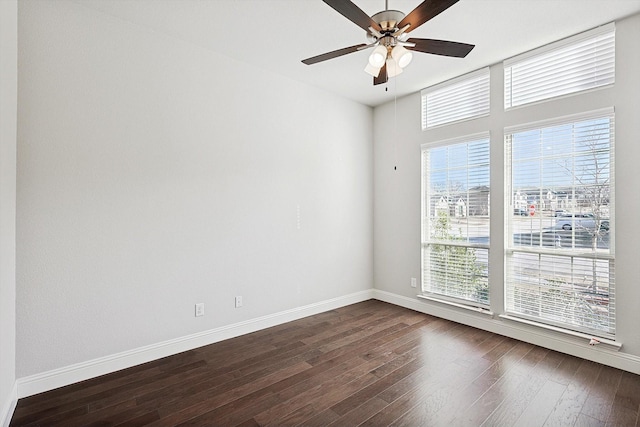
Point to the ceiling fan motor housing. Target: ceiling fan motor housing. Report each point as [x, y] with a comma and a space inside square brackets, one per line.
[388, 21]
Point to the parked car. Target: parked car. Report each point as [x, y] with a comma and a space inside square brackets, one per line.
[522, 212]
[561, 212]
[585, 222]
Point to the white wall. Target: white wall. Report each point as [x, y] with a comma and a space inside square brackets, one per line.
[8, 110]
[154, 174]
[397, 200]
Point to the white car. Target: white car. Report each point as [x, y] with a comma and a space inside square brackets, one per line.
[580, 222]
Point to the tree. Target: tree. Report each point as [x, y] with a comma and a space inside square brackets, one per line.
[455, 270]
[591, 173]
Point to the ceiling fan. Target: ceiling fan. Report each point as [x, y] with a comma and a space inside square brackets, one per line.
[387, 33]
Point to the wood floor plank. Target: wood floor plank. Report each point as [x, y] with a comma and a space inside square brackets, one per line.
[537, 411]
[113, 394]
[569, 405]
[293, 418]
[629, 391]
[514, 404]
[409, 365]
[469, 393]
[425, 387]
[566, 371]
[586, 421]
[495, 381]
[74, 393]
[370, 364]
[621, 414]
[262, 399]
[321, 419]
[601, 394]
[441, 388]
[141, 420]
[360, 413]
[324, 395]
[97, 416]
[227, 400]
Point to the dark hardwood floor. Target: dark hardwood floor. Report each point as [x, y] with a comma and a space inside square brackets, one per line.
[370, 364]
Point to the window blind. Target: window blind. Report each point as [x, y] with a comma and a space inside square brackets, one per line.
[463, 98]
[455, 250]
[560, 255]
[582, 62]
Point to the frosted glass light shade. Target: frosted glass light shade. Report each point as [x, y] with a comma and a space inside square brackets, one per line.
[378, 56]
[402, 56]
[392, 68]
[370, 69]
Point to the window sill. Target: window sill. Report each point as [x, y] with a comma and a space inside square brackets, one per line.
[455, 304]
[599, 341]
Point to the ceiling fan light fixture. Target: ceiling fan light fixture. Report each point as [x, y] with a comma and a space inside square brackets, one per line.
[401, 55]
[378, 56]
[392, 68]
[371, 70]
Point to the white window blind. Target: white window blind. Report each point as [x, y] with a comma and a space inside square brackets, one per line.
[560, 253]
[582, 62]
[463, 98]
[455, 248]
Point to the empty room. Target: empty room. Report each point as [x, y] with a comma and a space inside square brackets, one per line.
[319, 212]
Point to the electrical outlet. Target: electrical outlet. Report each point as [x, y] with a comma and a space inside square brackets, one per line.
[238, 302]
[200, 309]
[414, 282]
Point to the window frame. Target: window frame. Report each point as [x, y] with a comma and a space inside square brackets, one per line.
[571, 254]
[427, 242]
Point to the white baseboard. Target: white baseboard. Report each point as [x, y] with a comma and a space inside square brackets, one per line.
[50, 380]
[9, 405]
[531, 334]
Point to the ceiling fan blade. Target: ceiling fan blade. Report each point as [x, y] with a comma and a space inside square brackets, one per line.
[441, 47]
[354, 14]
[334, 54]
[382, 77]
[424, 12]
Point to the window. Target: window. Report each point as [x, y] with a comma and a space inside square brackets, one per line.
[455, 248]
[579, 63]
[558, 268]
[459, 99]
[560, 258]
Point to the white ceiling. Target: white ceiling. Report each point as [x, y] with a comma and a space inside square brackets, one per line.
[275, 35]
